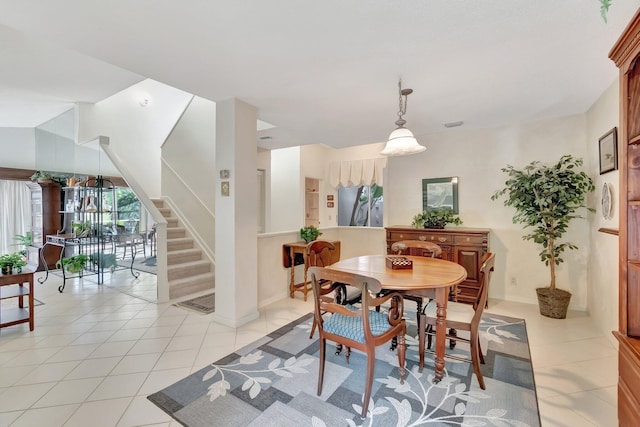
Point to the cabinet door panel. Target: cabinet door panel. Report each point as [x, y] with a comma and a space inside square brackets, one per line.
[469, 258]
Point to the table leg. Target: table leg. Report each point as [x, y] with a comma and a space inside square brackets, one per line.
[293, 273]
[441, 332]
[20, 298]
[31, 303]
[44, 264]
[422, 320]
[305, 290]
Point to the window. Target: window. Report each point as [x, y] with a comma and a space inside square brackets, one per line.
[360, 206]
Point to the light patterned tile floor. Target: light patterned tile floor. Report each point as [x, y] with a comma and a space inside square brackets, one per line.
[97, 352]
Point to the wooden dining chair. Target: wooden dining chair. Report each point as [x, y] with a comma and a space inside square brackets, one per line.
[465, 317]
[320, 253]
[417, 248]
[363, 329]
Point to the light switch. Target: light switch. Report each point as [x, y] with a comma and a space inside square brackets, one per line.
[224, 188]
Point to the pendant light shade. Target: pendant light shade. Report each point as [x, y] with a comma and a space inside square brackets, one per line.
[401, 141]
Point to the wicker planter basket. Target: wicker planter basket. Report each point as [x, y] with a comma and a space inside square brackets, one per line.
[553, 303]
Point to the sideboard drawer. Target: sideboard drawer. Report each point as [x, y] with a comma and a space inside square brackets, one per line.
[469, 240]
[436, 238]
[418, 234]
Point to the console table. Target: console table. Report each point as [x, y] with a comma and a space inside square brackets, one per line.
[13, 286]
[295, 254]
[92, 246]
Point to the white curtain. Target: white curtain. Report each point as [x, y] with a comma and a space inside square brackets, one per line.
[15, 213]
[353, 173]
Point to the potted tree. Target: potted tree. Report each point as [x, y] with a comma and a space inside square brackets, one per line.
[546, 198]
[435, 218]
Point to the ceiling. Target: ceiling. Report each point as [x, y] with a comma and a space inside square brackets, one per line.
[321, 72]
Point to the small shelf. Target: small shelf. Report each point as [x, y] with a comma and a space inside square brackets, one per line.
[19, 287]
[312, 202]
[13, 316]
[613, 231]
[13, 291]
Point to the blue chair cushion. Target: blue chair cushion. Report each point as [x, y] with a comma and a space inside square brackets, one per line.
[351, 327]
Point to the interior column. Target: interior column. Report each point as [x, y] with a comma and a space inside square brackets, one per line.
[236, 240]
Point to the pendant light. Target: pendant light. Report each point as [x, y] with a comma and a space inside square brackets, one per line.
[401, 141]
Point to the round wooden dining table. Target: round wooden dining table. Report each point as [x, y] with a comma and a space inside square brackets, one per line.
[428, 277]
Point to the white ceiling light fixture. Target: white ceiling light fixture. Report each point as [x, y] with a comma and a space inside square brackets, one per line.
[401, 141]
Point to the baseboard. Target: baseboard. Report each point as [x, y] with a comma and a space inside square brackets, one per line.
[235, 323]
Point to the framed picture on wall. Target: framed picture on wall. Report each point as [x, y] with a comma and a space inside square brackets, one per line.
[609, 151]
[440, 193]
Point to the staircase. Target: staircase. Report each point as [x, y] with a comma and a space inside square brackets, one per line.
[188, 271]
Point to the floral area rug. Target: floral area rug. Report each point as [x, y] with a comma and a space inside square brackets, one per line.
[273, 382]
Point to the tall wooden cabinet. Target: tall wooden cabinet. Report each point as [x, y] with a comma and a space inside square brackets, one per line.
[626, 55]
[465, 246]
[46, 218]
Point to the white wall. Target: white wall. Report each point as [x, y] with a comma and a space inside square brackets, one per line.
[264, 162]
[287, 197]
[603, 258]
[476, 157]
[190, 149]
[313, 165]
[135, 132]
[188, 170]
[18, 148]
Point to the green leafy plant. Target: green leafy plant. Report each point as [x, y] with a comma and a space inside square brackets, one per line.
[81, 229]
[12, 262]
[45, 176]
[604, 8]
[309, 233]
[546, 198]
[435, 218]
[23, 240]
[73, 264]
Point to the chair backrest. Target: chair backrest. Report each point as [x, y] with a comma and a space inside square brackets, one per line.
[367, 285]
[320, 253]
[488, 262]
[420, 247]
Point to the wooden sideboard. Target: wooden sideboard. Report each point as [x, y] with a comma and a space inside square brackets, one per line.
[465, 246]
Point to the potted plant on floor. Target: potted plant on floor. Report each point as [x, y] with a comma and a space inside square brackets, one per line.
[435, 218]
[73, 264]
[546, 198]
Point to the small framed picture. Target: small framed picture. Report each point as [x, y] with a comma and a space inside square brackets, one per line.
[609, 151]
[329, 204]
[440, 193]
[330, 197]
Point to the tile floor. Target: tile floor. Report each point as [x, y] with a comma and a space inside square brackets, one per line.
[96, 353]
